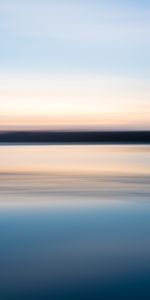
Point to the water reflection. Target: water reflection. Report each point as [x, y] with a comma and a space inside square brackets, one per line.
[75, 159]
[77, 231]
[70, 251]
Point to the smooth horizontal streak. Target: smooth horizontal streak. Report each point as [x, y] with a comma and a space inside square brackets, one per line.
[75, 137]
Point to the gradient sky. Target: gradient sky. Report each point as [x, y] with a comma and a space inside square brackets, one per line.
[74, 64]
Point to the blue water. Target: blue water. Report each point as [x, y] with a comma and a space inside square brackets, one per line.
[67, 253]
[86, 237]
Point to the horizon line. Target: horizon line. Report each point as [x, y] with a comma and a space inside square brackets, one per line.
[42, 137]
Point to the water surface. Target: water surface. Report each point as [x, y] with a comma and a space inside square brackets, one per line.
[74, 222]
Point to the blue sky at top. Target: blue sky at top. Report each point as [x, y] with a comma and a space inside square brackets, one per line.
[106, 37]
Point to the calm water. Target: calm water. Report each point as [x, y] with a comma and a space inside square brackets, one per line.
[74, 222]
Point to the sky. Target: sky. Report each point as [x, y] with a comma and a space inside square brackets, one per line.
[74, 64]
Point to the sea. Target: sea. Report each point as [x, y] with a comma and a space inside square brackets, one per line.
[74, 222]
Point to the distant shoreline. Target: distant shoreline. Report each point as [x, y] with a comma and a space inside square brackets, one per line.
[74, 137]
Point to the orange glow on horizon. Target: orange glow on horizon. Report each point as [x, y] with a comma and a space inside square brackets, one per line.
[79, 102]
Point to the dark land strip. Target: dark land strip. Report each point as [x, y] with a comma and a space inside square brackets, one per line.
[75, 137]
